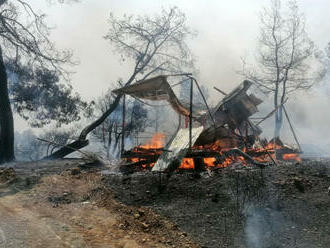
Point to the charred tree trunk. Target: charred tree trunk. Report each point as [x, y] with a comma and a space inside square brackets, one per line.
[101, 119]
[82, 141]
[74, 146]
[64, 151]
[109, 140]
[6, 118]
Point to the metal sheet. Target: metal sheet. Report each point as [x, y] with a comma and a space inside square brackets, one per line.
[151, 89]
[178, 148]
[155, 89]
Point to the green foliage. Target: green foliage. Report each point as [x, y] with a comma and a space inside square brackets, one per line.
[39, 97]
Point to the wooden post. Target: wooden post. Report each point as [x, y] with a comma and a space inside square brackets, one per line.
[198, 164]
[205, 102]
[291, 127]
[191, 111]
[123, 126]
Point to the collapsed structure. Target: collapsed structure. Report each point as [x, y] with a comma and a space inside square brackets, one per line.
[215, 137]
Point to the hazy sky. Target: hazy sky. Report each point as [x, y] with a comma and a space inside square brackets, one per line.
[227, 30]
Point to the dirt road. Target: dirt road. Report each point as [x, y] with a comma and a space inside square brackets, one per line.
[22, 227]
[71, 209]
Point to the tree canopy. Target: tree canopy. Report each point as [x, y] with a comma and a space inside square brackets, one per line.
[30, 69]
[286, 55]
[156, 44]
[40, 98]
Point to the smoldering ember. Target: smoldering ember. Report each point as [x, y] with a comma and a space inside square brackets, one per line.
[153, 124]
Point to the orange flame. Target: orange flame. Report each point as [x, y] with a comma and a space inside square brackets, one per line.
[260, 154]
[157, 141]
[187, 163]
[291, 157]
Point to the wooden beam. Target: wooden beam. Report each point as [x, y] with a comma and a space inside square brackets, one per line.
[222, 92]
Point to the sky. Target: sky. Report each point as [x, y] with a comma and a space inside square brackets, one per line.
[227, 31]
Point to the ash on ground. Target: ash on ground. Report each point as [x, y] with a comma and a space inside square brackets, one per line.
[279, 206]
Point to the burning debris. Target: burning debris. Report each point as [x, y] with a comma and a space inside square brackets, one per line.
[214, 138]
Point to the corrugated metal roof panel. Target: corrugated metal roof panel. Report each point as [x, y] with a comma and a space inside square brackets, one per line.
[177, 149]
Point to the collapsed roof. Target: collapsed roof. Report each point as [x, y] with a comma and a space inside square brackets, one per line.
[156, 89]
[235, 108]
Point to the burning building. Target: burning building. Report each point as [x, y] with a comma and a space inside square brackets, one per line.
[212, 137]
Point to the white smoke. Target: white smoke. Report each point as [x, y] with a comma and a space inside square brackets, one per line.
[262, 226]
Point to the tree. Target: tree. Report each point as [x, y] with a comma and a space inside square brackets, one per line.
[156, 45]
[286, 61]
[27, 57]
[39, 97]
[110, 131]
[57, 138]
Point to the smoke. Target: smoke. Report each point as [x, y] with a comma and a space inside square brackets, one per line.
[27, 147]
[223, 38]
[263, 227]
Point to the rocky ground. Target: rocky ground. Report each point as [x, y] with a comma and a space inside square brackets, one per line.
[70, 203]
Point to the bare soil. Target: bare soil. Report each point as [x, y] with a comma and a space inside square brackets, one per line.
[63, 204]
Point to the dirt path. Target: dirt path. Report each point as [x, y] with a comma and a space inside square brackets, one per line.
[72, 209]
[22, 227]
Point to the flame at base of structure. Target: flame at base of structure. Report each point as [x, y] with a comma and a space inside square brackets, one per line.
[145, 156]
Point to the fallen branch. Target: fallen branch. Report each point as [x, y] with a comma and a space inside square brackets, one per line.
[271, 113]
[73, 147]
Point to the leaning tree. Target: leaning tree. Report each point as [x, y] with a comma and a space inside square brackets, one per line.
[30, 69]
[155, 44]
[109, 133]
[286, 61]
